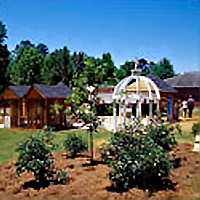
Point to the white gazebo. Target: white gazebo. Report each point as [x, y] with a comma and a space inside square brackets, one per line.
[121, 96]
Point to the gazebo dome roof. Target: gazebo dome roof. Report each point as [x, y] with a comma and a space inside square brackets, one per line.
[145, 83]
[142, 87]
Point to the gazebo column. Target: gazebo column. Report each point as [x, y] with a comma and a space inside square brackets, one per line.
[120, 112]
[158, 106]
[150, 108]
[124, 112]
[115, 115]
[140, 110]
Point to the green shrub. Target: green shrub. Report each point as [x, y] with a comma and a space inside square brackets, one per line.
[75, 144]
[163, 136]
[138, 161]
[35, 156]
[47, 136]
[195, 129]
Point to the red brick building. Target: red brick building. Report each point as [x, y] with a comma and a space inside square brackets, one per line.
[186, 84]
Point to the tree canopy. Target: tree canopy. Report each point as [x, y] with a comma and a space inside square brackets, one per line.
[163, 69]
[33, 63]
[27, 66]
[4, 58]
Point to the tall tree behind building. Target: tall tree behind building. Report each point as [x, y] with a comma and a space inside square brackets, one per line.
[4, 58]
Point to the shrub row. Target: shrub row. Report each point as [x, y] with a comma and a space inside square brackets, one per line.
[139, 159]
[35, 155]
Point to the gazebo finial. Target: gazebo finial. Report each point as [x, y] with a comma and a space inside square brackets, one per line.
[136, 62]
[135, 69]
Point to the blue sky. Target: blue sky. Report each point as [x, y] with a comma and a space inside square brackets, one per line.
[150, 29]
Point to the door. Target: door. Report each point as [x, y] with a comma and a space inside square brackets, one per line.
[169, 108]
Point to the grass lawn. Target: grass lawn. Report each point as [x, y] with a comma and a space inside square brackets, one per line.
[98, 137]
[9, 140]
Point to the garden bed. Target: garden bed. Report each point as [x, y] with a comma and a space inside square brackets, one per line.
[92, 181]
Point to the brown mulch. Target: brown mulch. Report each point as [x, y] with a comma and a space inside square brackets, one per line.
[91, 182]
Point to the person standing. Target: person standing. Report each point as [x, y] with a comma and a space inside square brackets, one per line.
[184, 103]
[190, 105]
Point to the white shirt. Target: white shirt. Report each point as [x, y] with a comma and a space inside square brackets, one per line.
[184, 104]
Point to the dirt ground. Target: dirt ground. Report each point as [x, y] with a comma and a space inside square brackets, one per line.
[92, 181]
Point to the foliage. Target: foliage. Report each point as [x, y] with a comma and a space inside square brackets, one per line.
[47, 136]
[56, 67]
[94, 75]
[42, 48]
[3, 32]
[4, 62]
[26, 67]
[74, 144]
[60, 66]
[163, 69]
[17, 49]
[109, 68]
[195, 129]
[77, 63]
[4, 59]
[125, 70]
[54, 107]
[138, 161]
[35, 156]
[163, 136]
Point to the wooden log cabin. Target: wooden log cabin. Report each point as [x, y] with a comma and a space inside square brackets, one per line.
[13, 103]
[39, 99]
[30, 105]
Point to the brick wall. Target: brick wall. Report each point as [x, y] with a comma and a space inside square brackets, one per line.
[185, 92]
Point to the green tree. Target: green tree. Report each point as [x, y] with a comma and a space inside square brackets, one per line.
[109, 68]
[124, 70]
[4, 59]
[26, 67]
[93, 77]
[57, 67]
[17, 49]
[78, 65]
[42, 48]
[3, 32]
[163, 69]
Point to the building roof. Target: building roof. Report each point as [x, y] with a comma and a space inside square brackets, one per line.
[20, 90]
[102, 86]
[188, 79]
[59, 90]
[161, 84]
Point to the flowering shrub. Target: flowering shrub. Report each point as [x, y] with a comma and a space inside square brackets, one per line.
[163, 136]
[35, 156]
[139, 159]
